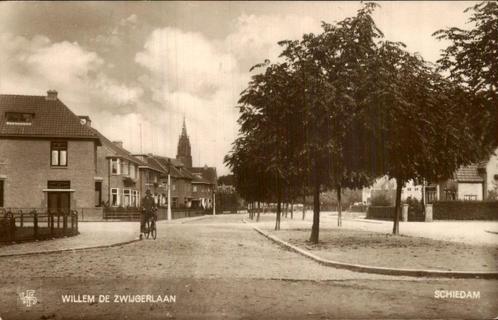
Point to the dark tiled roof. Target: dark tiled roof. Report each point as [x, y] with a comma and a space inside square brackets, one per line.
[117, 150]
[150, 162]
[177, 168]
[208, 174]
[52, 118]
[468, 174]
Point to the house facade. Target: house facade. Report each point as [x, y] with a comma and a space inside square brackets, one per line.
[118, 174]
[387, 187]
[48, 157]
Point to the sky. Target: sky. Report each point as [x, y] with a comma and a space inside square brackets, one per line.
[139, 68]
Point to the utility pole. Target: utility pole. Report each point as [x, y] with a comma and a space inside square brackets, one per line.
[169, 189]
[214, 201]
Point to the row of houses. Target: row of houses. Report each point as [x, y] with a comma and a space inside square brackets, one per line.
[475, 182]
[52, 158]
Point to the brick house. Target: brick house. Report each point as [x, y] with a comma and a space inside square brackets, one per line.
[473, 182]
[48, 156]
[181, 182]
[118, 173]
[203, 186]
[151, 174]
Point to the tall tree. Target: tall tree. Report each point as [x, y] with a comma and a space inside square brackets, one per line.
[471, 60]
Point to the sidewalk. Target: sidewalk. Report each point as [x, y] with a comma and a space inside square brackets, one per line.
[369, 246]
[92, 235]
[468, 232]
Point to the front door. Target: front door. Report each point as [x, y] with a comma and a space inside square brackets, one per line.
[59, 202]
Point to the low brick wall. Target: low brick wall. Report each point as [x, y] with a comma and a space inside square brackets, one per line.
[91, 214]
[380, 213]
[133, 214]
[465, 210]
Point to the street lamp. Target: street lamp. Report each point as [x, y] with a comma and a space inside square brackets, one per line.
[169, 189]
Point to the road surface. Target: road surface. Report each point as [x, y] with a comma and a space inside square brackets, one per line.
[219, 268]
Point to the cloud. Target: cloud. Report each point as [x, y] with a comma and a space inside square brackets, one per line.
[186, 61]
[255, 37]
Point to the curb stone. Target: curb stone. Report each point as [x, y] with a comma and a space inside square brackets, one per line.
[117, 244]
[378, 270]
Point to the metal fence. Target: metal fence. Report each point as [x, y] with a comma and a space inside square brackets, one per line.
[25, 224]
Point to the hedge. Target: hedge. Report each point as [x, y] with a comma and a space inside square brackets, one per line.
[415, 212]
[380, 213]
[358, 208]
[465, 210]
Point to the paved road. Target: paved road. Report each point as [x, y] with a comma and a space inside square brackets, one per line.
[220, 268]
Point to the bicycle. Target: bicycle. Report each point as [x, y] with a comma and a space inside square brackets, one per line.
[150, 227]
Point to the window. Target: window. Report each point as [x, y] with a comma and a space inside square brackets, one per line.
[58, 153]
[132, 171]
[174, 187]
[126, 197]
[115, 168]
[155, 178]
[1, 193]
[470, 197]
[124, 168]
[134, 198]
[194, 188]
[115, 197]
[19, 118]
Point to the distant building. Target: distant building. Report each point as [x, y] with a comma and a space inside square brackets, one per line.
[387, 187]
[204, 179]
[473, 182]
[48, 155]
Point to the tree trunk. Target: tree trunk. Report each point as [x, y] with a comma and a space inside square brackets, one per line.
[397, 206]
[259, 209]
[279, 205]
[292, 209]
[304, 206]
[339, 206]
[315, 229]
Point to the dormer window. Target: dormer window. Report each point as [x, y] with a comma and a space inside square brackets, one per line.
[19, 118]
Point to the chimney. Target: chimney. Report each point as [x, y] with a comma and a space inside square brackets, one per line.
[85, 120]
[51, 95]
[118, 143]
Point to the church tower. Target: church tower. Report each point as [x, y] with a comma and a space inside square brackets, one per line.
[183, 152]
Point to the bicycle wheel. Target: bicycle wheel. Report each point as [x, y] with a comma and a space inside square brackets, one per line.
[147, 229]
[153, 230]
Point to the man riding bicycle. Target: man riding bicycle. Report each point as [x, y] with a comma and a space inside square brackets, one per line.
[148, 211]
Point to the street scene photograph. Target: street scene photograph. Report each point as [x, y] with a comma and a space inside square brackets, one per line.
[248, 160]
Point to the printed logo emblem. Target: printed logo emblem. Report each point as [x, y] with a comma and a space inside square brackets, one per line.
[28, 298]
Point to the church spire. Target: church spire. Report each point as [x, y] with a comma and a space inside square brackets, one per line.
[184, 128]
[183, 152]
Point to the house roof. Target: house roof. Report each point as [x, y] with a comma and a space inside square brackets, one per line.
[177, 169]
[468, 174]
[52, 119]
[207, 174]
[117, 150]
[150, 162]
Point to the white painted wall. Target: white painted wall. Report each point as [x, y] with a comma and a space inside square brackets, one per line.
[469, 189]
[491, 171]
